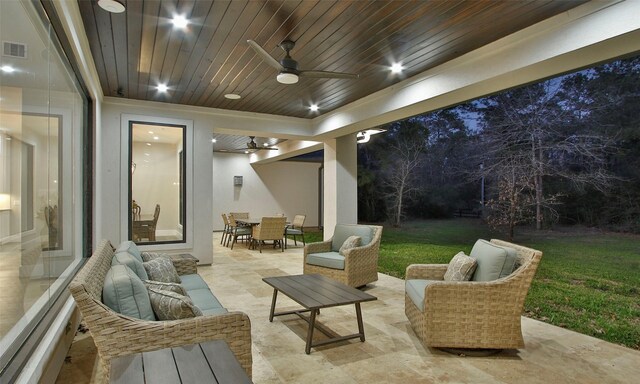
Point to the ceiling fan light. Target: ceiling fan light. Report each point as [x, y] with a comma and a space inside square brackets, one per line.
[112, 6]
[287, 78]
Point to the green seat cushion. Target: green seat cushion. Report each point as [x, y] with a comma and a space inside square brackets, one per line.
[242, 231]
[214, 311]
[291, 231]
[125, 293]
[343, 231]
[125, 258]
[191, 282]
[332, 260]
[131, 248]
[415, 290]
[204, 299]
[493, 261]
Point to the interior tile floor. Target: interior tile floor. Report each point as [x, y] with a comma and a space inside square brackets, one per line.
[391, 353]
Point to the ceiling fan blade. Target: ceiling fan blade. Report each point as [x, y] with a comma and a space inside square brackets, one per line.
[329, 75]
[267, 58]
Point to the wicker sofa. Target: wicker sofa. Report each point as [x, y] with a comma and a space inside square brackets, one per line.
[117, 335]
[472, 314]
[357, 267]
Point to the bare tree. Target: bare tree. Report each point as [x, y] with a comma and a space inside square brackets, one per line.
[530, 130]
[400, 174]
[404, 148]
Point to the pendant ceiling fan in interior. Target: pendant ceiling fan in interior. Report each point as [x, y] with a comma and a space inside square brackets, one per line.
[288, 67]
[252, 146]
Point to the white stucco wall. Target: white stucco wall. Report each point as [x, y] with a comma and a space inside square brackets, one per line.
[280, 187]
[112, 207]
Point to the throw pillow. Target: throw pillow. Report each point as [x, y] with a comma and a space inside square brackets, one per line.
[125, 293]
[125, 258]
[148, 256]
[173, 287]
[169, 305]
[161, 269]
[350, 242]
[460, 268]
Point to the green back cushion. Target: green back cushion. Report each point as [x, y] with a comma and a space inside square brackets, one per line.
[125, 293]
[493, 261]
[125, 258]
[343, 231]
[131, 248]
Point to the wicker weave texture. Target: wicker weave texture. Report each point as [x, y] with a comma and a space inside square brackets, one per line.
[270, 228]
[117, 335]
[360, 263]
[469, 314]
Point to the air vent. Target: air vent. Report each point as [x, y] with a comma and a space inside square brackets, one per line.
[14, 49]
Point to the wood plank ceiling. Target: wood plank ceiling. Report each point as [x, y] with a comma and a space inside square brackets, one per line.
[138, 49]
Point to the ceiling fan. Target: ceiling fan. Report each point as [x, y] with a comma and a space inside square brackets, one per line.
[252, 146]
[288, 67]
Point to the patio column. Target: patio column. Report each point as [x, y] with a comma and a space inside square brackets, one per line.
[340, 183]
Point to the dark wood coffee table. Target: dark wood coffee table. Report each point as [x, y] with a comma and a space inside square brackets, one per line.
[207, 362]
[314, 292]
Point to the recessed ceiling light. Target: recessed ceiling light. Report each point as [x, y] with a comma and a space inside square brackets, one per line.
[180, 21]
[232, 96]
[313, 107]
[7, 69]
[265, 144]
[112, 6]
[162, 88]
[246, 151]
[149, 144]
[156, 138]
[213, 140]
[396, 68]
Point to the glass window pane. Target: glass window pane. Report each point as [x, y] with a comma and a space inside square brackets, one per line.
[156, 194]
[42, 114]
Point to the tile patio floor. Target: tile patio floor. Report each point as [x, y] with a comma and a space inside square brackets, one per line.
[391, 353]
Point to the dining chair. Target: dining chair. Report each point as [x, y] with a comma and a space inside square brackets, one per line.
[226, 230]
[270, 228]
[236, 231]
[146, 229]
[295, 229]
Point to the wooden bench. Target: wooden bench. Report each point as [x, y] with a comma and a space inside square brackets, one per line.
[207, 362]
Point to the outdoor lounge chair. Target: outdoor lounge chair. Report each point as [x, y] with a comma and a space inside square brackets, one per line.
[470, 314]
[356, 266]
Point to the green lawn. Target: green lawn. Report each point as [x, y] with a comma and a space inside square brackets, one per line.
[588, 281]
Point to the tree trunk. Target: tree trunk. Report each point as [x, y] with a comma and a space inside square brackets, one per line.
[538, 183]
[399, 207]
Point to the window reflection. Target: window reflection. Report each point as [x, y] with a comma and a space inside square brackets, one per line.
[156, 193]
[42, 110]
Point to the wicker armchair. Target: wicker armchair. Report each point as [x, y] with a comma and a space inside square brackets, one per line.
[360, 263]
[118, 335]
[270, 228]
[472, 314]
